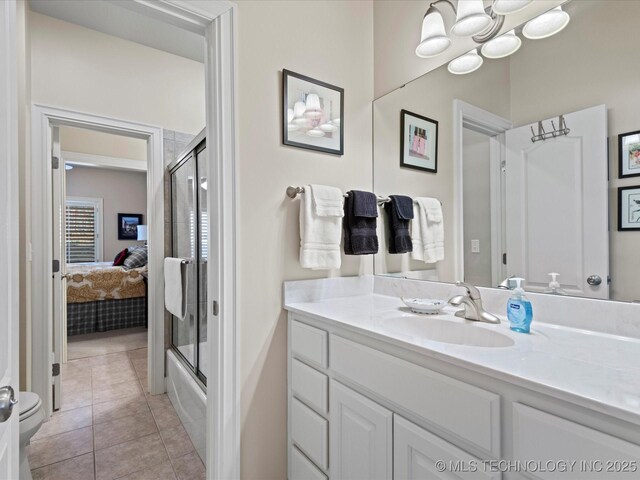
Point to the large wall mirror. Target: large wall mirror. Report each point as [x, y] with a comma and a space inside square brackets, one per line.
[530, 173]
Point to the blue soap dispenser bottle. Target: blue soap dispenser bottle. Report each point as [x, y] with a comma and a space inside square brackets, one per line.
[519, 310]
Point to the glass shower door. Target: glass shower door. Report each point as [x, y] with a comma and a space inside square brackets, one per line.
[185, 245]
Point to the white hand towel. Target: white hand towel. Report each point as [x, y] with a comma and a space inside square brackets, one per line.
[319, 235]
[327, 201]
[175, 286]
[427, 231]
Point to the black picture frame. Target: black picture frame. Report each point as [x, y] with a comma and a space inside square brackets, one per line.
[621, 159]
[621, 212]
[128, 225]
[404, 161]
[286, 140]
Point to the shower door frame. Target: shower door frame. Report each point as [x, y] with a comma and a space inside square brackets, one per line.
[193, 150]
[217, 23]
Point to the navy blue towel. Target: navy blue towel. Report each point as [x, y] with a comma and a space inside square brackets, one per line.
[359, 223]
[400, 212]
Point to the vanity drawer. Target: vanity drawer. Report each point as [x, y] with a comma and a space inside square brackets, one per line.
[302, 468]
[310, 432]
[416, 451]
[310, 386]
[468, 412]
[309, 343]
[540, 437]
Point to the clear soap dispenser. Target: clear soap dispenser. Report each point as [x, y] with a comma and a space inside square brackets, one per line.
[519, 310]
[554, 285]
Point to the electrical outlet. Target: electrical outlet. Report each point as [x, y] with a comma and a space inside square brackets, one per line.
[475, 246]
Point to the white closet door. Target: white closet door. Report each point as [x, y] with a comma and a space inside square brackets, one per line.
[557, 205]
[361, 436]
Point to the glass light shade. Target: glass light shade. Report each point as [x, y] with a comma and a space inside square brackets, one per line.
[467, 63]
[505, 7]
[299, 109]
[502, 46]
[471, 19]
[142, 232]
[433, 40]
[547, 24]
[313, 102]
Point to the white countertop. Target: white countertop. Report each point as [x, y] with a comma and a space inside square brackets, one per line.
[596, 370]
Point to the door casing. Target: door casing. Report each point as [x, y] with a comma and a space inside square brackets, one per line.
[217, 23]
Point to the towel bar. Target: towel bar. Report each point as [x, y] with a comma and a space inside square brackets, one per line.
[293, 192]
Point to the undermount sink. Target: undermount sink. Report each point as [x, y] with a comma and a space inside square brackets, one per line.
[453, 332]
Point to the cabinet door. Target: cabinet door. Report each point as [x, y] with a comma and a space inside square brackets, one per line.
[360, 436]
[421, 455]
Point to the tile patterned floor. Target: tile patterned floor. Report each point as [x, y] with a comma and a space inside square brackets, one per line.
[103, 343]
[109, 427]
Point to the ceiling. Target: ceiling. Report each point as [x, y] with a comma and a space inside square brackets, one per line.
[110, 17]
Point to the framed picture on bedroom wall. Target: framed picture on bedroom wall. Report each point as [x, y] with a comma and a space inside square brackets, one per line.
[128, 225]
[418, 142]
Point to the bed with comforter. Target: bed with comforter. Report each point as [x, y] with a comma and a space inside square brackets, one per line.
[103, 297]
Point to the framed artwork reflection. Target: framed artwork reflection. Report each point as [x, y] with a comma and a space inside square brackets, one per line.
[629, 154]
[312, 114]
[418, 142]
[629, 208]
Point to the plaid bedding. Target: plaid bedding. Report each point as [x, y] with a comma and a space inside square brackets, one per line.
[90, 317]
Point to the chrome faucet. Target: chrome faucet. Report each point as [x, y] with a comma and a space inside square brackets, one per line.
[472, 304]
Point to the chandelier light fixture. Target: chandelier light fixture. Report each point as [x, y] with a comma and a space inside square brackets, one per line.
[483, 25]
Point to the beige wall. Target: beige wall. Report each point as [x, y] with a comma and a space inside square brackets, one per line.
[333, 42]
[431, 96]
[81, 140]
[592, 67]
[81, 69]
[120, 191]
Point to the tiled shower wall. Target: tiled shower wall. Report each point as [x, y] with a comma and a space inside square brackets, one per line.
[174, 144]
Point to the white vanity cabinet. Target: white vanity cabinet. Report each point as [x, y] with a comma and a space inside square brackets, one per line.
[361, 436]
[361, 408]
[421, 455]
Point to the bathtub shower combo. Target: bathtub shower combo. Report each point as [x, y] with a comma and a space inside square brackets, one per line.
[187, 359]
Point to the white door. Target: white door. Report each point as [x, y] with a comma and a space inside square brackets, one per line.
[557, 205]
[360, 437]
[60, 264]
[421, 455]
[9, 282]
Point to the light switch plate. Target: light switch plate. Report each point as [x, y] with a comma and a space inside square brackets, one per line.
[475, 246]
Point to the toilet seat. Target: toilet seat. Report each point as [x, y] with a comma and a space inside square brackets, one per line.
[29, 404]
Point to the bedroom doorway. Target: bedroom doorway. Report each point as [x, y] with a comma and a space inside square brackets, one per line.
[103, 230]
[51, 128]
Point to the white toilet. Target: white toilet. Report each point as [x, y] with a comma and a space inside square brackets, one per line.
[31, 417]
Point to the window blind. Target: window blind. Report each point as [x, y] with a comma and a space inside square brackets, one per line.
[81, 232]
